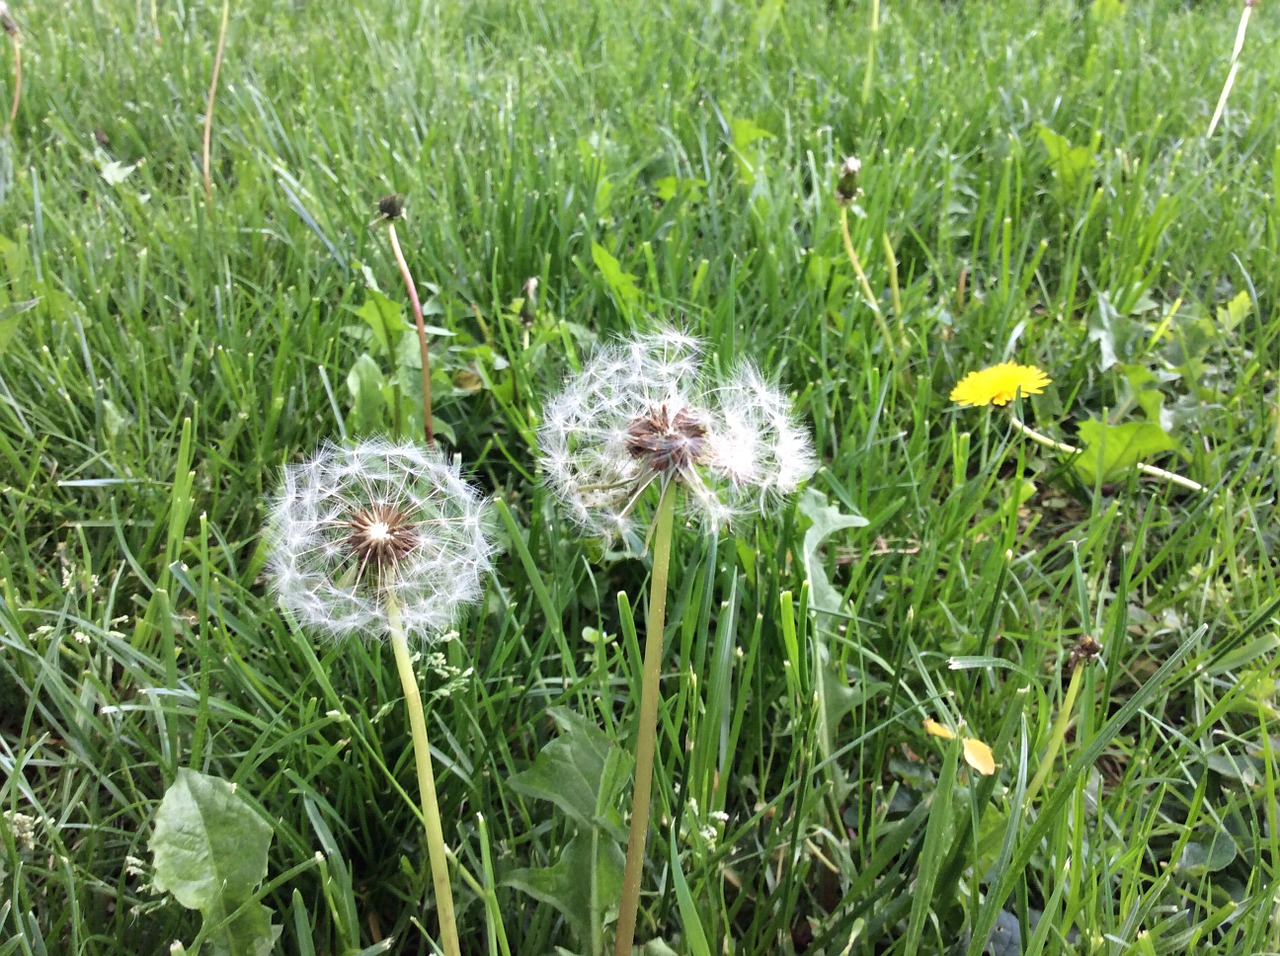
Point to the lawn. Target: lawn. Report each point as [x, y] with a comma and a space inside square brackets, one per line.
[993, 676]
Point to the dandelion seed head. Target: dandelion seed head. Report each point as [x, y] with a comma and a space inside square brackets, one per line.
[353, 527]
[643, 413]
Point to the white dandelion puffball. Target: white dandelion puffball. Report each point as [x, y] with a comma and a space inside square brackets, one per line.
[641, 413]
[353, 529]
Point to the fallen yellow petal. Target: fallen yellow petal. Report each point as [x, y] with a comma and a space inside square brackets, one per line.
[978, 756]
[935, 729]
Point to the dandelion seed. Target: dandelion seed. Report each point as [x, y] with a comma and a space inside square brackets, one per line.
[354, 527]
[641, 415]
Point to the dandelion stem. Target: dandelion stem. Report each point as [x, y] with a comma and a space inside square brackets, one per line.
[426, 782]
[412, 289]
[1056, 735]
[1064, 448]
[867, 294]
[646, 740]
[213, 94]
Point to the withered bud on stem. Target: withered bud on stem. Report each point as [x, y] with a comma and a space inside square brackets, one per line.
[847, 188]
[529, 308]
[1085, 650]
[390, 208]
[7, 22]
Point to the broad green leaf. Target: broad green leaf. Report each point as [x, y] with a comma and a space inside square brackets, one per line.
[669, 187]
[366, 384]
[115, 419]
[1114, 331]
[250, 933]
[1112, 450]
[748, 160]
[1235, 311]
[584, 884]
[1214, 850]
[745, 132]
[621, 283]
[210, 852]
[580, 771]
[385, 318]
[208, 843]
[1071, 165]
[1143, 383]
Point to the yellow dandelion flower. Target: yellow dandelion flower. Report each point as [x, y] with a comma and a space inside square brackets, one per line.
[999, 384]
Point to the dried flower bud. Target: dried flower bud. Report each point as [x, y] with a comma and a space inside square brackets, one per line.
[847, 188]
[7, 22]
[529, 308]
[391, 208]
[1085, 650]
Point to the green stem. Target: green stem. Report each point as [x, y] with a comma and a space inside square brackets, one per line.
[867, 294]
[655, 623]
[1064, 448]
[426, 783]
[1056, 735]
[410, 287]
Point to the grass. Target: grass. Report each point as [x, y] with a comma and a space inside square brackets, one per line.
[181, 350]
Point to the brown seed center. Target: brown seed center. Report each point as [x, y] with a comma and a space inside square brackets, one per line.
[670, 443]
[380, 535]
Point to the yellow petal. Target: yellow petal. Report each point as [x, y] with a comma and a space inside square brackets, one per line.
[978, 756]
[999, 384]
[935, 729]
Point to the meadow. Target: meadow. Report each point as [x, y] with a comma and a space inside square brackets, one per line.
[1038, 185]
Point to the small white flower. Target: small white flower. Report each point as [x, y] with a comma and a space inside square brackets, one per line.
[642, 413]
[354, 527]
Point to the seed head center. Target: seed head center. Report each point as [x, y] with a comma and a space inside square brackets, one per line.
[380, 535]
[668, 442]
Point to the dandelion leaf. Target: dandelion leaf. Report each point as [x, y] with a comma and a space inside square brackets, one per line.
[583, 884]
[824, 521]
[1071, 165]
[366, 384]
[385, 318]
[210, 852]
[581, 772]
[621, 283]
[1110, 451]
[1212, 851]
[1235, 311]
